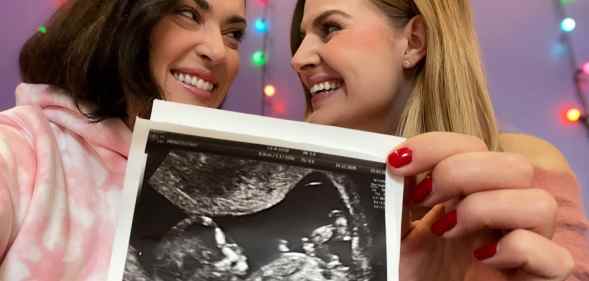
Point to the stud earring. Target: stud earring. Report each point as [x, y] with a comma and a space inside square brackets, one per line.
[406, 63]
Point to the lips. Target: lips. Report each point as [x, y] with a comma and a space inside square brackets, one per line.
[193, 80]
[321, 86]
[196, 82]
[324, 87]
[313, 79]
[320, 99]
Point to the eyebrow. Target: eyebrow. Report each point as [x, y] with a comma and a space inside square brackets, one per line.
[318, 20]
[203, 4]
[236, 20]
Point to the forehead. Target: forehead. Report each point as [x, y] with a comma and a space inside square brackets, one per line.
[221, 7]
[322, 5]
[354, 8]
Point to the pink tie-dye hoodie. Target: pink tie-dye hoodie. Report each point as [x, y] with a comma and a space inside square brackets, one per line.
[60, 177]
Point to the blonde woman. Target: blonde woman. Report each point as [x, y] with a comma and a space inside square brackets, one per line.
[481, 205]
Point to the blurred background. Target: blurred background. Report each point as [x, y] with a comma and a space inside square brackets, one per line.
[532, 51]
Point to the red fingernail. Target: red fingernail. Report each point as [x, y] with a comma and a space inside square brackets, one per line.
[485, 252]
[422, 190]
[400, 157]
[444, 224]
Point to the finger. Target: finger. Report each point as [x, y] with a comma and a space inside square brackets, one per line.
[411, 211]
[467, 173]
[532, 209]
[533, 256]
[407, 215]
[420, 229]
[423, 152]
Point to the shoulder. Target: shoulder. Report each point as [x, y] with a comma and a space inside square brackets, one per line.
[539, 152]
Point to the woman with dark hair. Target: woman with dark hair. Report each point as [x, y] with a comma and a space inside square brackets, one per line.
[481, 205]
[64, 147]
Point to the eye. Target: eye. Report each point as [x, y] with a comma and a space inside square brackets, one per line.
[189, 13]
[234, 37]
[329, 28]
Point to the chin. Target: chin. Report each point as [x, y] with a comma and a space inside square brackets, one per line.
[323, 119]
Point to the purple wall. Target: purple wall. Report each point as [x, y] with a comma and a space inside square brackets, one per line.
[528, 81]
[530, 84]
[18, 19]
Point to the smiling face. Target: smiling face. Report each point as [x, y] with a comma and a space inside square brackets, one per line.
[194, 54]
[350, 61]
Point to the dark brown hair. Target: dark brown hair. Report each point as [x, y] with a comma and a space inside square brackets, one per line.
[296, 37]
[98, 52]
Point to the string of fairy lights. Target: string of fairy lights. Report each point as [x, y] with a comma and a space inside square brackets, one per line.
[576, 114]
[568, 25]
[259, 58]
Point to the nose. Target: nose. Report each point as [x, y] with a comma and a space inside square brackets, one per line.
[212, 48]
[307, 55]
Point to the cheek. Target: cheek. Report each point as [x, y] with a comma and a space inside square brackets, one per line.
[359, 40]
[366, 60]
[233, 64]
[360, 52]
[230, 70]
[158, 50]
[169, 44]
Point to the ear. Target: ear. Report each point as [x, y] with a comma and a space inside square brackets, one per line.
[416, 34]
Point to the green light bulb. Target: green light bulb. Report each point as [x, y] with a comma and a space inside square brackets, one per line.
[259, 58]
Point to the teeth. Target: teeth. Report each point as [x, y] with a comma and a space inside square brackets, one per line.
[325, 86]
[194, 81]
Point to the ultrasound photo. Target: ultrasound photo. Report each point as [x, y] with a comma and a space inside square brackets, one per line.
[212, 209]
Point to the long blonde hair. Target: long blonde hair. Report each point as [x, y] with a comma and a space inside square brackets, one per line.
[451, 92]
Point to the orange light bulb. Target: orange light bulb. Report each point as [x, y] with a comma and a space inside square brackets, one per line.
[269, 91]
[573, 114]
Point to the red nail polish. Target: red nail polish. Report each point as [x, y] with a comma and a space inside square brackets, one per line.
[422, 190]
[400, 157]
[485, 252]
[446, 223]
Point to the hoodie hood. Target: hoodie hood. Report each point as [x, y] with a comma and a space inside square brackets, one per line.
[110, 134]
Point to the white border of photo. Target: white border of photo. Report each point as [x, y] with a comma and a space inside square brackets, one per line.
[215, 123]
